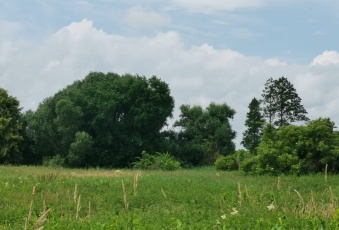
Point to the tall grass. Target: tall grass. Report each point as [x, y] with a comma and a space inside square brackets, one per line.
[183, 199]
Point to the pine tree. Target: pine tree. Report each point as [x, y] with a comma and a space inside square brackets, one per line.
[281, 103]
[254, 122]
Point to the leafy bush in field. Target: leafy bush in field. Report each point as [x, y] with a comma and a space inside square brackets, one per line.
[163, 161]
[297, 150]
[232, 162]
[249, 165]
[55, 161]
[226, 163]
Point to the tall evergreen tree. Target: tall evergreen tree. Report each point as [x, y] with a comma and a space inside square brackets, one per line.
[281, 103]
[254, 122]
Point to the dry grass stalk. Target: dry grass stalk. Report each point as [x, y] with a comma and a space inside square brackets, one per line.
[301, 200]
[30, 208]
[124, 194]
[163, 193]
[278, 183]
[41, 220]
[240, 197]
[89, 211]
[312, 203]
[75, 195]
[332, 196]
[135, 183]
[44, 205]
[326, 172]
[78, 208]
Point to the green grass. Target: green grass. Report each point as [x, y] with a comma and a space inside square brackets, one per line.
[184, 199]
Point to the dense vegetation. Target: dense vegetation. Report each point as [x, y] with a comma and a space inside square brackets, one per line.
[52, 198]
[105, 120]
[108, 120]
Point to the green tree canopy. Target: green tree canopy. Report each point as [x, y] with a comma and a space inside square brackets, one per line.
[204, 134]
[254, 123]
[281, 103]
[299, 149]
[119, 115]
[10, 129]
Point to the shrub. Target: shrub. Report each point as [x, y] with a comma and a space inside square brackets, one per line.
[250, 165]
[232, 162]
[55, 161]
[226, 163]
[163, 161]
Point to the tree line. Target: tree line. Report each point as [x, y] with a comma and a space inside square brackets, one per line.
[108, 120]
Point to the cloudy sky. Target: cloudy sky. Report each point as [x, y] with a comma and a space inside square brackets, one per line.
[219, 51]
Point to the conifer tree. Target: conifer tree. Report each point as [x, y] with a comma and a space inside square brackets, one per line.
[254, 122]
[281, 103]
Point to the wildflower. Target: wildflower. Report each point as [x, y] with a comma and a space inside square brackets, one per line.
[271, 207]
[217, 222]
[234, 211]
[223, 217]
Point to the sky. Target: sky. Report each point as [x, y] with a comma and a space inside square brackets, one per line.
[220, 51]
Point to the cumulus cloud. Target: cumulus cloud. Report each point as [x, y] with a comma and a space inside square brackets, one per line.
[196, 75]
[138, 17]
[326, 58]
[275, 62]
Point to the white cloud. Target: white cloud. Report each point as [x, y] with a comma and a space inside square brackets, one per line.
[216, 5]
[8, 28]
[196, 75]
[138, 17]
[275, 62]
[7, 50]
[326, 58]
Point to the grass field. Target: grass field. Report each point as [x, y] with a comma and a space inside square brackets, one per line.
[56, 198]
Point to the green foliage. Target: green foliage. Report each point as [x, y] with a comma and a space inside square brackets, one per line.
[297, 149]
[233, 161]
[226, 163]
[11, 129]
[184, 199]
[203, 134]
[162, 161]
[254, 122]
[281, 103]
[54, 161]
[119, 116]
[80, 150]
[249, 165]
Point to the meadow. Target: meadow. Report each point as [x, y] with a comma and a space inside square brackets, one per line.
[58, 198]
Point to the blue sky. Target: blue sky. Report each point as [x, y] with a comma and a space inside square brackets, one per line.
[217, 50]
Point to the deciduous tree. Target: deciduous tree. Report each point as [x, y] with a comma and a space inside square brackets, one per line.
[119, 115]
[204, 134]
[10, 129]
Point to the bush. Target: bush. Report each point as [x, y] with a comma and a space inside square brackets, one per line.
[249, 165]
[232, 162]
[55, 161]
[226, 163]
[163, 161]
